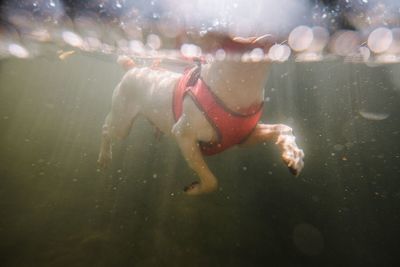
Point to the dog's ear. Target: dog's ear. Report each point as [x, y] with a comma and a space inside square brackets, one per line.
[264, 42]
[212, 41]
[254, 40]
[244, 40]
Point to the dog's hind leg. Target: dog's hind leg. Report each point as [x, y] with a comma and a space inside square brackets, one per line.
[105, 154]
[117, 125]
[283, 136]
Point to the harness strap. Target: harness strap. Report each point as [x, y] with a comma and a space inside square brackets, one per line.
[232, 128]
[188, 80]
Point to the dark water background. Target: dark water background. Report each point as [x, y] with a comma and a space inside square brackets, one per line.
[57, 209]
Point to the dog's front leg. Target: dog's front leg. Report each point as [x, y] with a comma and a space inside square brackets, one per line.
[105, 154]
[187, 141]
[283, 136]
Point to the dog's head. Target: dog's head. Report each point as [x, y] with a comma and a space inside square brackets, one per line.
[212, 42]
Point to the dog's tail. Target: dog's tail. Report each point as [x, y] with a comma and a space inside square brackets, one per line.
[126, 62]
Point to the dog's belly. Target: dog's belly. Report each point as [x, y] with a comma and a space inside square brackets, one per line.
[158, 110]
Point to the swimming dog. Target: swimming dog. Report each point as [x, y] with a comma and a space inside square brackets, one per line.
[207, 109]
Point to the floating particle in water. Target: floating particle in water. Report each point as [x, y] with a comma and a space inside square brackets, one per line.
[301, 38]
[220, 54]
[136, 46]
[380, 40]
[66, 54]
[153, 41]
[72, 38]
[257, 55]
[308, 239]
[155, 175]
[190, 50]
[375, 116]
[18, 51]
[279, 52]
[244, 168]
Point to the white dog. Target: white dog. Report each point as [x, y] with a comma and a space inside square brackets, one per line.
[207, 109]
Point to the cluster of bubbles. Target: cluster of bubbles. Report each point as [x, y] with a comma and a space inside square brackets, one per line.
[358, 31]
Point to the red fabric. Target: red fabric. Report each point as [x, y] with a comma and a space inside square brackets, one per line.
[232, 128]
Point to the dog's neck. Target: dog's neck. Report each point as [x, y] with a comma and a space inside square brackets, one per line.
[240, 85]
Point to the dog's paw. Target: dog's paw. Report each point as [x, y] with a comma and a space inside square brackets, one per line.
[192, 189]
[196, 188]
[104, 160]
[293, 158]
[292, 155]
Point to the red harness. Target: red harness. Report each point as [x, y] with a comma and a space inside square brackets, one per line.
[232, 128]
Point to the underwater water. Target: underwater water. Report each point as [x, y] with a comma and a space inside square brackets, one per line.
[58, 209]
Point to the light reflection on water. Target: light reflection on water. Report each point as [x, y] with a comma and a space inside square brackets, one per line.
[313, 32]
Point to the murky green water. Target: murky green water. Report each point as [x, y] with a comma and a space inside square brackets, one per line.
[57, 209]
